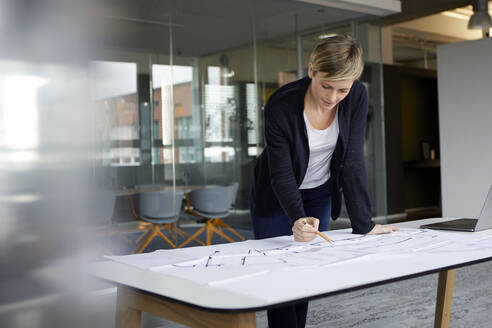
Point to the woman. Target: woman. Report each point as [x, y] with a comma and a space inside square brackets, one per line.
[314, 131]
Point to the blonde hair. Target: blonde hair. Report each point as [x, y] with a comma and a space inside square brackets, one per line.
[339, 57]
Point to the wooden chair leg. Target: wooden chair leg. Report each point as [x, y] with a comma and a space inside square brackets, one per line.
[209, 230]
[192, 237]
[132, 207]
[163, 236]
[142, 225]
[143, 236]
[171, 229]
[220, 233]
[184, 234]
[147, 241]
[216, 225]
[221, 223]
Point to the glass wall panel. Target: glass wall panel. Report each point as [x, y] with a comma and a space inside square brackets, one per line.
[370, 37]
[115, 96]
[172, 112]
[220, 116]
[277, 65]
[200, 102]
[228, 99]
[173, 96]
[177, 151]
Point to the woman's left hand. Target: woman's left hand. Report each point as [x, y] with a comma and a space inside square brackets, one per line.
[382, 228]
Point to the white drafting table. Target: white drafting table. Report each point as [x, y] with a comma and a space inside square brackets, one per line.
[198, 305]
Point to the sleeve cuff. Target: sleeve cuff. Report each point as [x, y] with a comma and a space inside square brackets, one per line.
[363, 230]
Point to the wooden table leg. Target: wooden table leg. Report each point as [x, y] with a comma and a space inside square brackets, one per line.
[134, 302]
[126, 316]
[444, 298]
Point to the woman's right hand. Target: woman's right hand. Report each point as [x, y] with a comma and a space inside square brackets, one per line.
[304, 229]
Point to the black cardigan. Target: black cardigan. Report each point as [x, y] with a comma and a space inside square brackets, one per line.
[280, 169]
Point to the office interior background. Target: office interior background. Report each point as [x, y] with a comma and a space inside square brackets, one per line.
[104, 96]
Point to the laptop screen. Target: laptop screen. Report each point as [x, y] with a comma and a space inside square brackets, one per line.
[485, 218]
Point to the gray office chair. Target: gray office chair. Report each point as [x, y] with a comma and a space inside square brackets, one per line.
[211, 204]
[161, 209]
[143, 188]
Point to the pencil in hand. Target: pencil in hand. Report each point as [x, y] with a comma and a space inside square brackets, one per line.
[322, 235]
[325, 237]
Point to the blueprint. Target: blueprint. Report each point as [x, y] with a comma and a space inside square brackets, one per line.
[220, 264]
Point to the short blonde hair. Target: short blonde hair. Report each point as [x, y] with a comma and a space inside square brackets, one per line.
[339, 57]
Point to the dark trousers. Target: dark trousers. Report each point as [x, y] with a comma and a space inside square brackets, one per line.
[317, 203]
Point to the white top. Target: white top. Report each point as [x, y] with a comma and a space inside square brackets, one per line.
[321, 147]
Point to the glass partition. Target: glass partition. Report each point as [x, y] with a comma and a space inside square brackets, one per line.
[114, 91]
[172, 113]
[176, 124]
[197, 112]
[374, 147]
[98, 99]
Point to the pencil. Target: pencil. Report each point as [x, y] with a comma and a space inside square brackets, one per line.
[325, 237]
[322, 235]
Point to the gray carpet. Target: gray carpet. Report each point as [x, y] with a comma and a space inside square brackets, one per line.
[409, 303]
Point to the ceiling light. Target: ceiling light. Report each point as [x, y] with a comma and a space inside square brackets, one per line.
[324, 36]
[455, 15]
[464, 11]
[480, 19]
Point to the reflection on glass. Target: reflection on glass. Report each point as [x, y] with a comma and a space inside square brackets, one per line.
[252, 118]
[172, 114]
[115, 95]
[200, 121]
[220, 114]
[20, 111]
[46, 172]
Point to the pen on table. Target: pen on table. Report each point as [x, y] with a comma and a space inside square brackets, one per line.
[322, 235]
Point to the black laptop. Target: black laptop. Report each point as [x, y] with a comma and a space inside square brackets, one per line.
[483, 222]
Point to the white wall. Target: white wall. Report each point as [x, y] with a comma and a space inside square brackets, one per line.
[465, 122]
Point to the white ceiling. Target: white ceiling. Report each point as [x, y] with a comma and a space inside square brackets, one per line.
[204, 27]
[412, 38]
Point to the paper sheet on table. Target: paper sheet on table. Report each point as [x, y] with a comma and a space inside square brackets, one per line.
[220, 264]
[167, 257]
